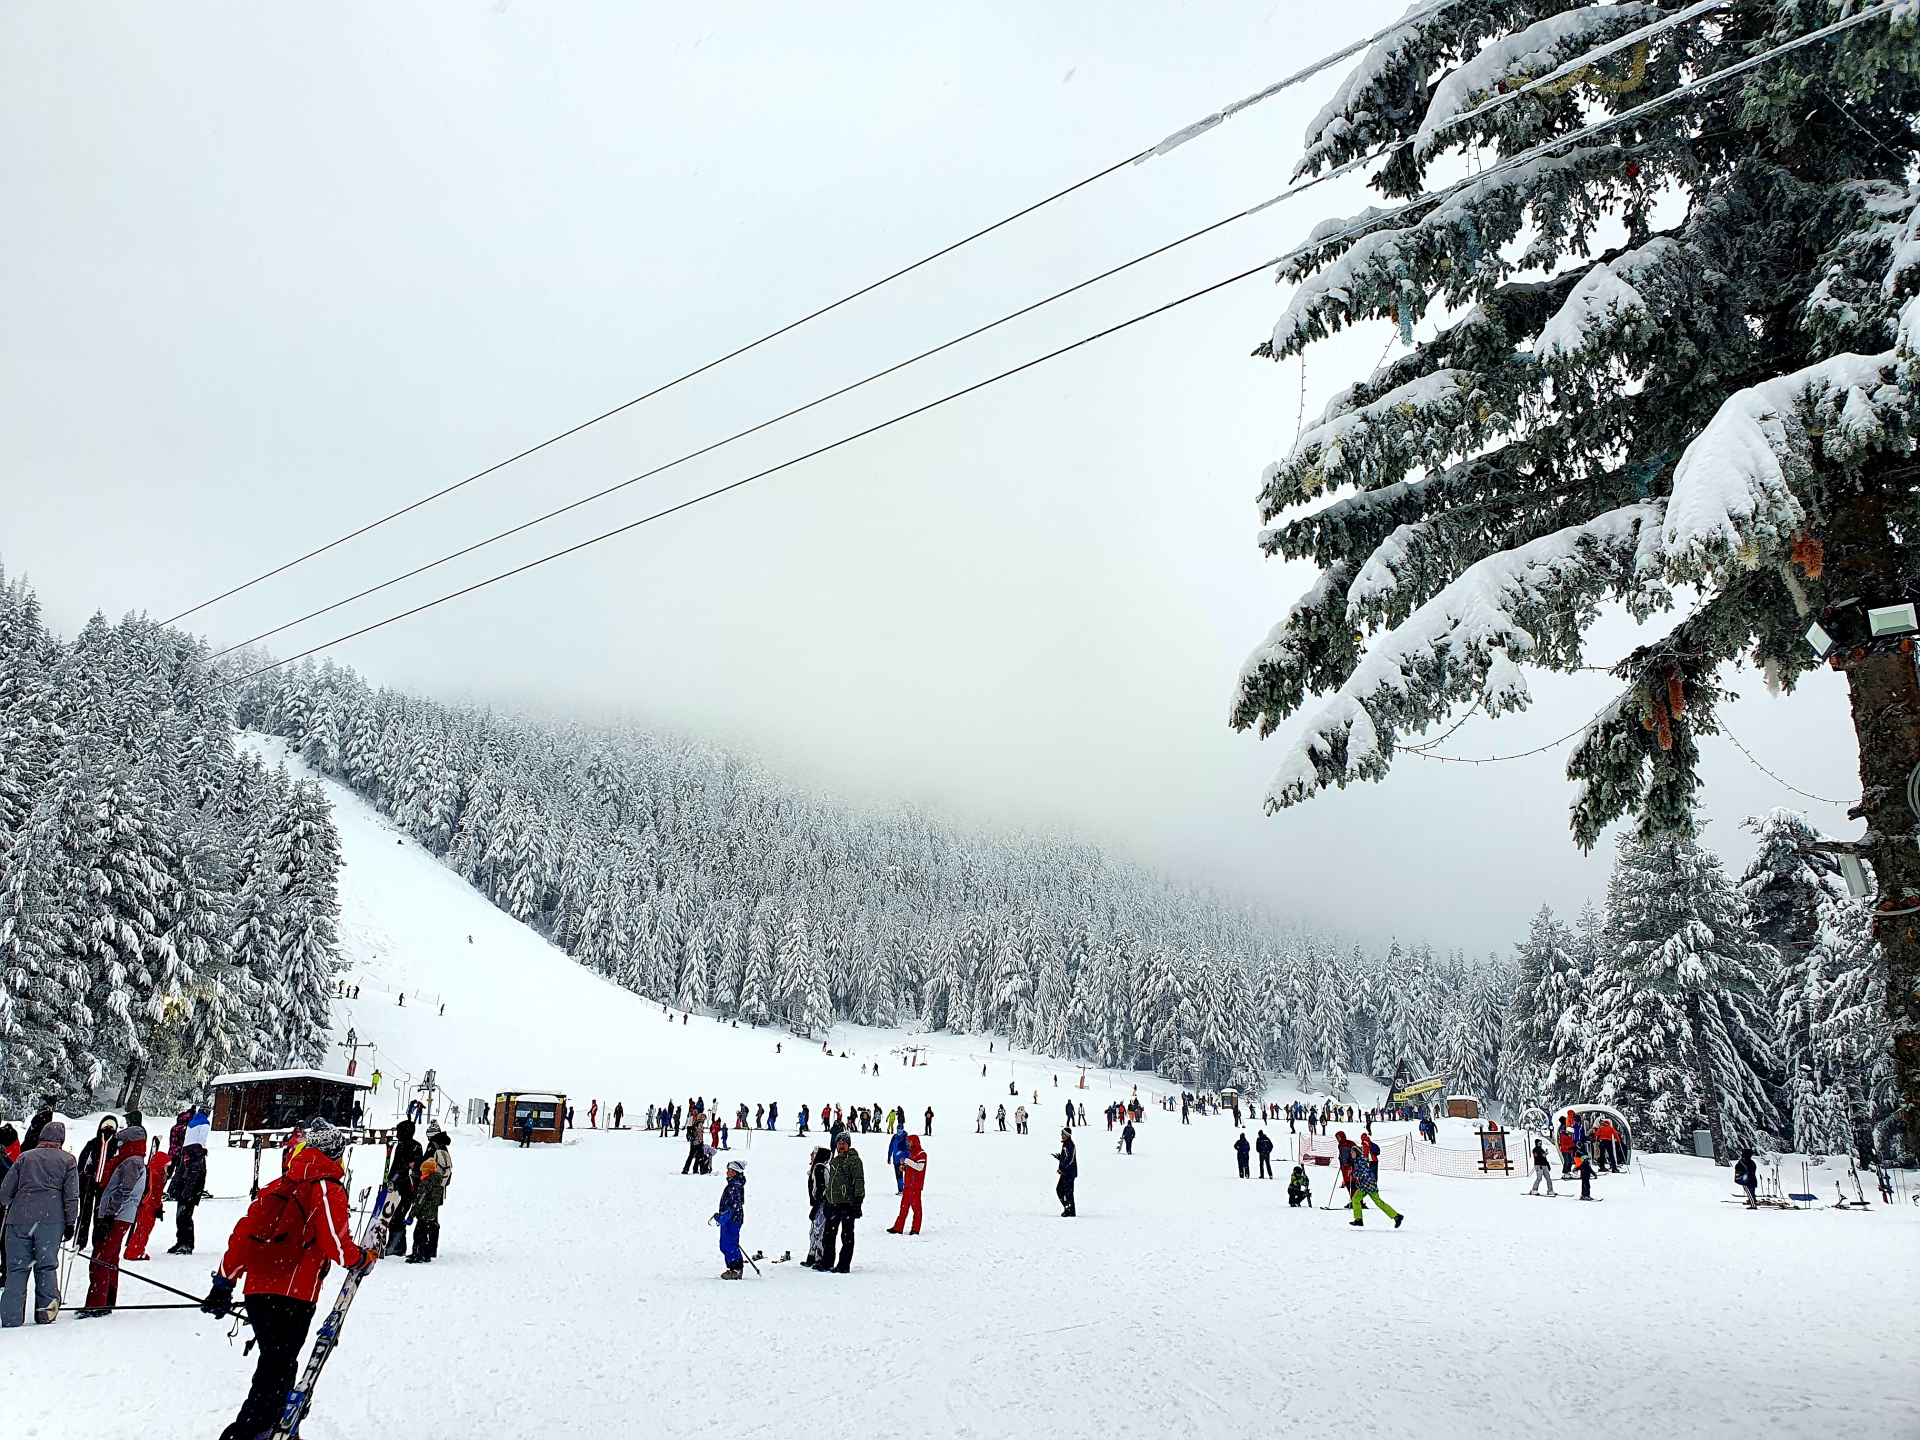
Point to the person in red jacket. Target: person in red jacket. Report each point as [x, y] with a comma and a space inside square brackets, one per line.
[283, 1245]
[151, 1203]
[913, 1170]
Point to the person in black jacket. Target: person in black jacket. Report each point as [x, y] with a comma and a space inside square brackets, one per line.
[94, 1158]
[184, 1189]
[403, 1179]
[817, 1168]
[1240, 1149]
[1265, 1148]
[1747, 1176]
[1069, 1172]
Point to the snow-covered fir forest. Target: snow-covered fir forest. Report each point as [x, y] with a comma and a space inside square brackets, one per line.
[1753, 1009]
[168, 903]
[167, 906]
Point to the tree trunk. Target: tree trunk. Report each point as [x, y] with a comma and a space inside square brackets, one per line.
[1884, 689]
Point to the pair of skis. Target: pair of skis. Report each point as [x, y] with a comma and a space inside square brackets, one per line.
[373, 1239]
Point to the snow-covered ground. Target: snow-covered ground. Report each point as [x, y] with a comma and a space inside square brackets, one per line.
[577, 1290]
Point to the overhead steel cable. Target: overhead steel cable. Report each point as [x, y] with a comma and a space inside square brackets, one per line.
[1290, 192]
[1353, 230]
[1179, 137]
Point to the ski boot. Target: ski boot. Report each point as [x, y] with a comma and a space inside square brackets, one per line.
[732, 1272]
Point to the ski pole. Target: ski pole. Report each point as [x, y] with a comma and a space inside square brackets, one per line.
[171, 1306]
[136, 1275]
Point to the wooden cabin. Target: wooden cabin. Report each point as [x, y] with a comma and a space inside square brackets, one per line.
[547, 1108]
[1463, 1107]
[282, 1099]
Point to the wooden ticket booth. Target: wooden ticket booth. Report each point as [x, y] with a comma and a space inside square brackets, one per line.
[546, 1108]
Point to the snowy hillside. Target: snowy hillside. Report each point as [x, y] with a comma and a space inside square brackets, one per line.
[576, 1292]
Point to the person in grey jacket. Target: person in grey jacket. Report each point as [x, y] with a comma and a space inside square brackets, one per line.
[119, 1203]
[41, 1195]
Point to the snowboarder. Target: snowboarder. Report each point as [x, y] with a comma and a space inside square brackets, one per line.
[1240, 1149]
[283, 1245]
[41, 1198]
[1265, 1147]
[1542, 1169]
[1747, 1176]
[428, 1196]
[1366, 1186]
[1127, 1133]
[1299, 1188]
[119, 1204]
[1069, 1172]
[731, 1215]
[846, 1193]
[817, 1169]
[914, 1167]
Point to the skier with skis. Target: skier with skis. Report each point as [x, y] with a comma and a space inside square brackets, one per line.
[731, 1215]
[1069, 1170]
[914, 1168]
[1366, 1187]
[1542, 1169]
[283, 1246]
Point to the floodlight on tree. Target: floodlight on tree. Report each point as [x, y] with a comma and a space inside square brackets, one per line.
[1892, 620]
[1820, 640]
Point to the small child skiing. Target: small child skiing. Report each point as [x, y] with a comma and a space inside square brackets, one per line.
[731, 1216]
[1299, 1188]
[1583, 1167]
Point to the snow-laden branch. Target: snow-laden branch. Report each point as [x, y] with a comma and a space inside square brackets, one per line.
[1606, 303]
[1733, 490]
[1465, 644]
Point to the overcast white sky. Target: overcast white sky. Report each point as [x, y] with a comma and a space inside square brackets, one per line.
[269, 270]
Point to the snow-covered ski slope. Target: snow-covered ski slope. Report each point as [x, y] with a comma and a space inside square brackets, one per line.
[577, 1293]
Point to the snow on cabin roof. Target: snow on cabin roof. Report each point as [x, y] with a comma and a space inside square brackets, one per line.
[250, 1077]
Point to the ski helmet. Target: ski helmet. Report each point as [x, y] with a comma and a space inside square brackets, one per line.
[325, 1136]
[736, 1167]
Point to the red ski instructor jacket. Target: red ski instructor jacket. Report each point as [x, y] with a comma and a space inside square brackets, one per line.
[298, 1224]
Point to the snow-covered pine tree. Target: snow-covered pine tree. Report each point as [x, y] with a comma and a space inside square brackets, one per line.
[691, 993]
[1546, 986]
[1665, 1040]
[757, 984]
[1675, 350]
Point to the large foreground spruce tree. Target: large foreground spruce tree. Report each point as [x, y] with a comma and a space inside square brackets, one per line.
[1669, 363]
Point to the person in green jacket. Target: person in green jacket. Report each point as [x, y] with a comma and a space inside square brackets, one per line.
[427, 1199]
[846, 1193]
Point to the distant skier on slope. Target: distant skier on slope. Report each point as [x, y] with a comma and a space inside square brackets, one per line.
[914, 1168]
[283, 1245]
[1069, 1170]
[731, 1216]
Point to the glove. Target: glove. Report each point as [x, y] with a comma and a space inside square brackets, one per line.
[219, 1299]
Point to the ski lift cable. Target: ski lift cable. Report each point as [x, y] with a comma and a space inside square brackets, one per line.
[1355, 229]
[1171, 142]
[1292, 191]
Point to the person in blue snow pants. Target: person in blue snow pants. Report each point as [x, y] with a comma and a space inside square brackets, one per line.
[731, 1216]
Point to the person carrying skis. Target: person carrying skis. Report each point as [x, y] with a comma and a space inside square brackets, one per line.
[1542, 1169]
[896, 1157]
[1240, 1149]
[817, 1168]
[41, 1197]
[846, 1194]
[283, 1246]
[914, 1168]
[1265, 1147]
[1299, 1188]
[1069, 1172]
[1366, 1186]
[731, 1215]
